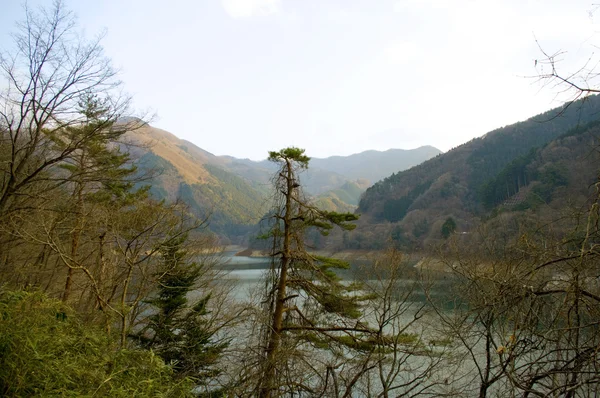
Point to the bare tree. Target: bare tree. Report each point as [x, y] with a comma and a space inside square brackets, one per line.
[401, 357]
[47, 74]
[568, 82]
[61, 120]
[528, 325]
[570, 85]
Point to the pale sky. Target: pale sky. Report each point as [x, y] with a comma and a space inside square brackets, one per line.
[336, 77]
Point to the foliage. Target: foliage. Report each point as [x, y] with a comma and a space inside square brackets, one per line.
[46, 350]
[179, 331]
[305, 295]
[395, 209]
[448, 227]
[289, 155]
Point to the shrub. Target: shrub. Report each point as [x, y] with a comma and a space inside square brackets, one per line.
[45, 350]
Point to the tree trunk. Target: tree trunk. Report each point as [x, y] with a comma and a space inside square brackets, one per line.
[76, 234]
[268, 384]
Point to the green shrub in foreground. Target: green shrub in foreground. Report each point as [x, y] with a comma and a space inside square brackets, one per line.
[46, 350]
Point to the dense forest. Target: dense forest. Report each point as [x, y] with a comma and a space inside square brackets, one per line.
[485, 177]
[485, 284]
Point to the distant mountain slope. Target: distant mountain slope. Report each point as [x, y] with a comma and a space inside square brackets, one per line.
[375, 165]
[201, 179]
[344, 198]
[187, 159]
[233, 191]
[338, 181]
[417, 201]
[314, 180]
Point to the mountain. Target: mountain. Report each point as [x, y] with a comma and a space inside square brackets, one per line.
[233, 192]
[362, 170]
[344, 198]
[338, 181]
[314, 180]
[375, 165]
[181, 170]
[470, 181]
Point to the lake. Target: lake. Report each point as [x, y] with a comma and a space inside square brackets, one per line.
[248, 272]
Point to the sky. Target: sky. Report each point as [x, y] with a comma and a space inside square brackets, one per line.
[336, 77]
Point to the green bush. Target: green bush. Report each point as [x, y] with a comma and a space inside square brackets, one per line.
[45, 350]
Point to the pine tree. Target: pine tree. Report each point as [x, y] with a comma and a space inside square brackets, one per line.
[97, 172]
[306, 299]
[178, 330]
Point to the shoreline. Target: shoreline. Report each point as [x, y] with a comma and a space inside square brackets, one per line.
[420, 261]
[341, 255]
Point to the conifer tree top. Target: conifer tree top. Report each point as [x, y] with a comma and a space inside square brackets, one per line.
[290, 154]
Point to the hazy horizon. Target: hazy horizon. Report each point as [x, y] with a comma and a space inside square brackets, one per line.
[239, 77]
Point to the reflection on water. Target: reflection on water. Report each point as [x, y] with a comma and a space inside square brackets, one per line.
[246, 272]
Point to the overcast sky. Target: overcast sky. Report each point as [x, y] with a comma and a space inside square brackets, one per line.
[241, 77]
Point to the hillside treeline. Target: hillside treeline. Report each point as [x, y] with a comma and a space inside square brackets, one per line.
[517, 168]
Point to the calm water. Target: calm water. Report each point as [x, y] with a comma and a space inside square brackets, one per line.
[413, 290]
[249, 272]
[237, 263]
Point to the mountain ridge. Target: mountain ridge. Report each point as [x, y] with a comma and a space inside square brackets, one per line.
[389, 161]
[409, 207]
[233, 191]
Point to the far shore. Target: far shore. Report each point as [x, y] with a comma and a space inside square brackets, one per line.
[342, 255]
[421, 261]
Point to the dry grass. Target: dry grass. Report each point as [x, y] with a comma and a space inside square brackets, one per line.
[164, 144]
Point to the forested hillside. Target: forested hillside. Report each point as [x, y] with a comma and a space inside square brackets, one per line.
[471, 180]
[178, 169]
[232, 191]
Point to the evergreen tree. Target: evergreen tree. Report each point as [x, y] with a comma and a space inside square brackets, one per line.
[448, 227]
[97, 172]
[305, 298]
[178, 330]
